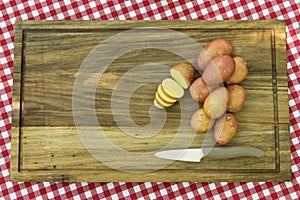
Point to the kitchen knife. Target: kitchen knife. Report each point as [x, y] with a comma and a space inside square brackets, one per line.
[195, 155]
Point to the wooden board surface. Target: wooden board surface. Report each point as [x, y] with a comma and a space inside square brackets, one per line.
[46, 145]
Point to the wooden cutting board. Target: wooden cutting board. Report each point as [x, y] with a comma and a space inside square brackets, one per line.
[45, 141]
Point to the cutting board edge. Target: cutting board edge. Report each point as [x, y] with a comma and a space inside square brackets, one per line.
[161, 176]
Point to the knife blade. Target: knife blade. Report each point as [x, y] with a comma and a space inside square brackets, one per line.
[195, 155]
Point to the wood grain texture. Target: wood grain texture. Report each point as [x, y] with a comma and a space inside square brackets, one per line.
[45, 142]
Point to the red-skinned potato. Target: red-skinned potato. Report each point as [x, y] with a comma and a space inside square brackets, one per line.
[218, 70]
[237, 98]
[212, 50]
[241, 71]
[216, 102]
[199, 90]
[225, 128]
[200, 122]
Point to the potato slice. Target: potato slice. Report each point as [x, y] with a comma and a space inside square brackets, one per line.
[157, 105]
[183, 73]
[168, 92]
[162, 102]
[162, 93]
[173, 87]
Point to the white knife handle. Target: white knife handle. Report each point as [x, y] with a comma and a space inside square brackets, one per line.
[235, 151]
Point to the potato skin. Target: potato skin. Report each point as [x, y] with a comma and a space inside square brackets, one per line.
[215, 48]
[218, 70]
[225, 128]
[241, 71]
[216, 102]
[237, 98]
[199, 90]
[200, 122]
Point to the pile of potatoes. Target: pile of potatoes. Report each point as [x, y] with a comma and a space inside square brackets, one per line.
[218, 89]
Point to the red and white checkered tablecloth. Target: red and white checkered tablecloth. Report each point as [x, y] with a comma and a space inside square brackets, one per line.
[10, 11]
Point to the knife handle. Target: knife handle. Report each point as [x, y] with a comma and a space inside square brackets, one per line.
[235, 152]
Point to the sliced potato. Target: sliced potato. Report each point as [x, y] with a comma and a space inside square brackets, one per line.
[183, 73]
[164, 95]
[162, 102]
[168, 92]
[173, 87]
[165, 100]
[157, 105]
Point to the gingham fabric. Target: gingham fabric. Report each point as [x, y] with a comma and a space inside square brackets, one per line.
[10, 11]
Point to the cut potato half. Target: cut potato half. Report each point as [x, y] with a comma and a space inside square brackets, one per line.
[163, 95]
[183, 73]
[162, 101]
[173, 87]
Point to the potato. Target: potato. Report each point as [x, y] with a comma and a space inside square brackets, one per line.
[218, 70]
[199, 90]
[215, 103]
[212, 50]
[200, 122]
[203, 59]
[183, 73]
[241, 71]
[225, 128]
[237, 98]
